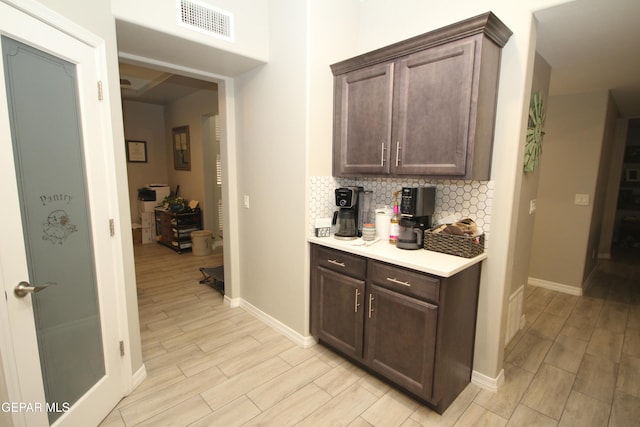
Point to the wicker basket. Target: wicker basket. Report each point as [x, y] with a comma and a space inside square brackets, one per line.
[462, 246]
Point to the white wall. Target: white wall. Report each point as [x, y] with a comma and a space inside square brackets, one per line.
[145, 122]
[381, 23]
[528, 191]
[561, 250]
[250, 17]
[276, 100]
[188, 111]
[272, 123]
[276, 135]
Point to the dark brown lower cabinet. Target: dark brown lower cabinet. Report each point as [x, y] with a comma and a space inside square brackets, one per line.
[400, 339]
[340, 318]
[410, 328]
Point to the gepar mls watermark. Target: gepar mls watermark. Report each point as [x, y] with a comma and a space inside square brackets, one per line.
[59, 407]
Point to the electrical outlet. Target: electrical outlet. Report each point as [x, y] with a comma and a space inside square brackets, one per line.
[581, 200]
[532, 206]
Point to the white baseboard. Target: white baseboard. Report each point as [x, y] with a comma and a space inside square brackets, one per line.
[487, 383]
[300, 340]
[137, 379]
[514, 314]
[232, 302]
[571, 290]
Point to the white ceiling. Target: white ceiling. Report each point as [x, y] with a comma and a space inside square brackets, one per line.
[590, 45]
[157, 87]
[593, 45]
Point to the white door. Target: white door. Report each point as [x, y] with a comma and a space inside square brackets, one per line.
[60, 345]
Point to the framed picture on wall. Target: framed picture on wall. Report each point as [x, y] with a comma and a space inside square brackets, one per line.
[181, 148]
[136, 151]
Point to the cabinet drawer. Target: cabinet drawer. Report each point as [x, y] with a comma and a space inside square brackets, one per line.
[341, 262]
[404, 281]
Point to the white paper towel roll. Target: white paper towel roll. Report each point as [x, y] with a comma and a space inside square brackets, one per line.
[383, 222]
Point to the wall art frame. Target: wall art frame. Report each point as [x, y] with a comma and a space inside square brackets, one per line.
[136, 151]
[181, 148]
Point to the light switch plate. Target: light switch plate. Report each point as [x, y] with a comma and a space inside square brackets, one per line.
[581, 199]
[532, 206]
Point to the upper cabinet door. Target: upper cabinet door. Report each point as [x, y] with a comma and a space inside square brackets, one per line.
[422, 107]
[362, 121]
[432, 109]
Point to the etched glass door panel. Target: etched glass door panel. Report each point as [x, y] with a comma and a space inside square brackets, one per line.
[46, 134]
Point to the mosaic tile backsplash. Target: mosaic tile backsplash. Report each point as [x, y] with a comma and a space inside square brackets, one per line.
[454, 199]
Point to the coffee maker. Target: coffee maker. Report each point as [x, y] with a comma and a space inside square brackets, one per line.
[417, 205]
[346, 218]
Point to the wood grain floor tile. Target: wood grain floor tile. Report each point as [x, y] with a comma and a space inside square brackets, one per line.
[233, 414]
[549, 391]
[506, 399]
[392, 409]
[562, 304]
[530, 352]
[547, 326]
[170, 396]
[293, 409]
[426, 417]
[625, 410]
[613, 317]
[525, 416]
[566, 353]
[631, 346]
[629, 376]
[339, 378]
[597, 378]
[342, 409]
[276, 390]
[582, 410]
[243, 383]
[576, 362]
[606, 344]
[476, 415]
[184, 413]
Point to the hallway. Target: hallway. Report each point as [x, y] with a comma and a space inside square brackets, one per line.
[577, 362]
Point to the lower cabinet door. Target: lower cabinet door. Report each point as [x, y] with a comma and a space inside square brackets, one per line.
[400, 339]
[340, 315]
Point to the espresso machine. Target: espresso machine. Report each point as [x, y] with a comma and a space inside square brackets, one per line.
[346, 218]
[417, 205]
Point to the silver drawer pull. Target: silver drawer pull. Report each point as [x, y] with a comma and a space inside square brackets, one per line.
[399, 282]
[356, 304]
[338, 263]
[382, 155]
[371, 298]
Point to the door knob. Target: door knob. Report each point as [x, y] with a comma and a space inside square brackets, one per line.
[24, 288]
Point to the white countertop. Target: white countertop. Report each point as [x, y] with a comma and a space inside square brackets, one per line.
[435, 263]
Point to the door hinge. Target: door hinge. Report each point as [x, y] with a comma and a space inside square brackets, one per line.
[121, 348]
[112, 227]
[100, 93]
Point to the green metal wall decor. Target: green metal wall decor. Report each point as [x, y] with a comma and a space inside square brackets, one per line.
[535, 133]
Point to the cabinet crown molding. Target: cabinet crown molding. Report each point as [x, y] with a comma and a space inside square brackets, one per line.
[487, 23]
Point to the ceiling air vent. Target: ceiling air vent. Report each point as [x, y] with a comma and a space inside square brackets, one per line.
[205, 18]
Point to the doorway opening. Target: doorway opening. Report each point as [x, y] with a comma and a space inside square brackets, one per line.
[155, 102]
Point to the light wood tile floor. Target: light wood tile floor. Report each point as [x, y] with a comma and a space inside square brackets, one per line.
[576, 362]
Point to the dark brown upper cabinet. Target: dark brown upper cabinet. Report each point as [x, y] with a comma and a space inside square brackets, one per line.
[421, 107]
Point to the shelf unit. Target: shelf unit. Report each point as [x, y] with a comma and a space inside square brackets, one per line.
[174, 229]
